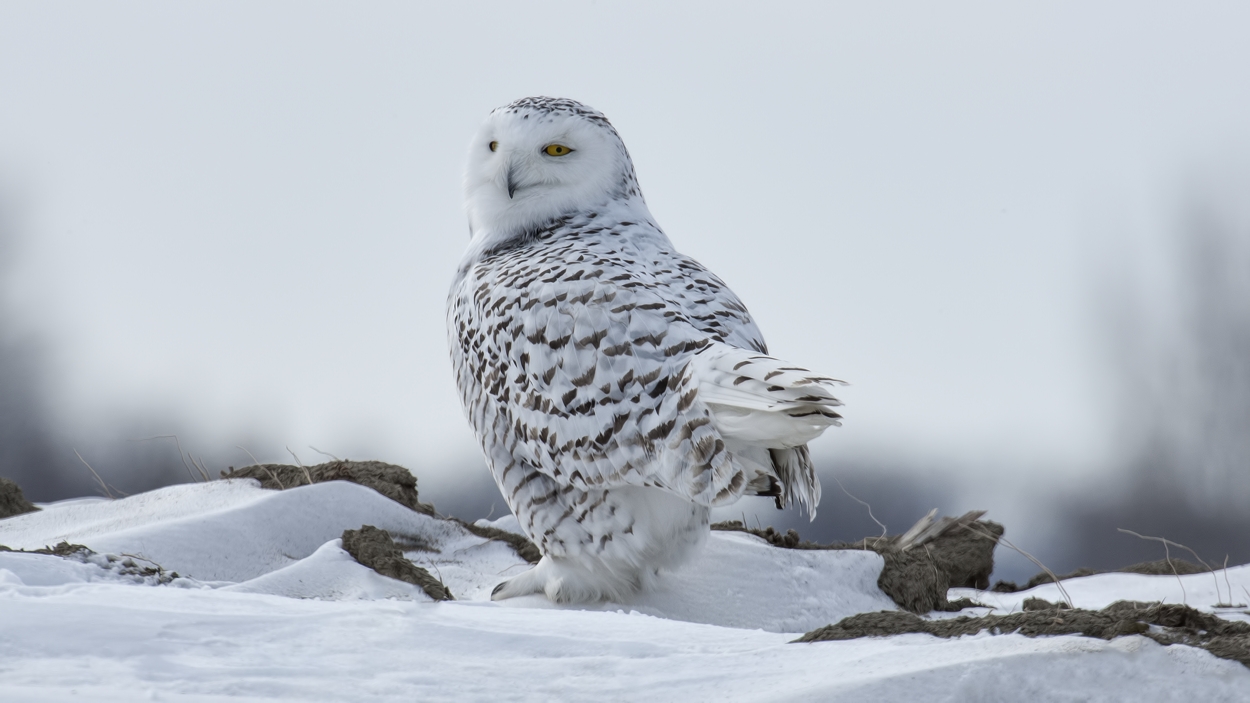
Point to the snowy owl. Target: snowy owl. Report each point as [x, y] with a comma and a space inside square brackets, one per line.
[619, 389]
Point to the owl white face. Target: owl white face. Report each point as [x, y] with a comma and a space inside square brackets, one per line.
[529, 164]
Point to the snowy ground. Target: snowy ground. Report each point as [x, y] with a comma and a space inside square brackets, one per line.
[269, 607]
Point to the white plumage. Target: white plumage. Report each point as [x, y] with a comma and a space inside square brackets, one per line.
[619, 389]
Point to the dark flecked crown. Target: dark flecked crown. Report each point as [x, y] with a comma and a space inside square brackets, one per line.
[555, 106]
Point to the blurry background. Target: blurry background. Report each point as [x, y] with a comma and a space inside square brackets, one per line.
[1022, 234]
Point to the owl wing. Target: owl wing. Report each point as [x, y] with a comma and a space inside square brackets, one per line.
[591, 370]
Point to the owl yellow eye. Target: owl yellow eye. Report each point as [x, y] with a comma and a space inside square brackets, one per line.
[556, 150]
[494, 146]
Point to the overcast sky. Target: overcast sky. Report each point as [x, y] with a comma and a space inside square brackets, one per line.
[247, 215]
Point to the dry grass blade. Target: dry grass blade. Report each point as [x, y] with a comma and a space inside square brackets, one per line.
[1229, 584]
[159, 569]
[1167, 555]
[863, 503]
[439, 572]
[921, 525]
[274, 477]
[301, 465]
[1003, 540]
[200, 466]
[103, 485]
[321, 452]
[927, 529]
[266, 468]
[180, 456]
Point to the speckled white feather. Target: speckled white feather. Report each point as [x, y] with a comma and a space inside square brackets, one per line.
[619, 389]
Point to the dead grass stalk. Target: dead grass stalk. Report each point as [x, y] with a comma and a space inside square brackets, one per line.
[863, 503]
[1168, 556]
[103, 485]
[266, 468]
[178, 444]
[301, 465]
[1003, 540]
[324, 453]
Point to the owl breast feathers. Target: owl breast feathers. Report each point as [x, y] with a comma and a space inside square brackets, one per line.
[618, 388]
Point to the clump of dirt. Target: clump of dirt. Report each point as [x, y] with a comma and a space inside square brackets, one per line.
[62, 549]
[914, 581]
[917, 579]
[12, 502]
[1161, 567]
[1172, 624]
[789, 540]
[1043, 604]
[375, 549]
[124, 565]
[524, 548]
[959, 604]
[394, 482]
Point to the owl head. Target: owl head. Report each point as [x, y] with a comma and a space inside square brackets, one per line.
[537, 159]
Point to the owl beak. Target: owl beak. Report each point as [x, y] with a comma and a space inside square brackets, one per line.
[511, 182]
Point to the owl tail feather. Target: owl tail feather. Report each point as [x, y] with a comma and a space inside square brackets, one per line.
[761, 402]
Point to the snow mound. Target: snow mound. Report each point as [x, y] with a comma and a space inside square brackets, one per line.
[757, 586]
[236, 535]
[329, 573]
[229, 531]
[272, 608]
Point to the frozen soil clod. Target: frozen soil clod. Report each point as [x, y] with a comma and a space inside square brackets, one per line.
[121, 565]
[1043, 604]
[375, 549]
[1172, 624]
[524, 548]
[394, 482]
[62, 549]
[12, 501]
[917, 579]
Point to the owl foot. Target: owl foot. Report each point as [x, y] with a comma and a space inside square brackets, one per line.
[565, 581]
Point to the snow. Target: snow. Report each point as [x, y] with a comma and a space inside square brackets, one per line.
[245, 538]
[1201, 591]
[269, 607]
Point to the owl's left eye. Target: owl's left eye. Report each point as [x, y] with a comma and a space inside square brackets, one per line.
[556, 150]
[494, 146]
